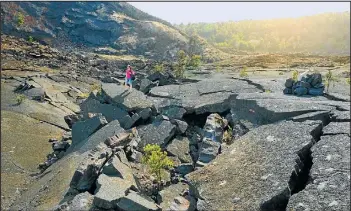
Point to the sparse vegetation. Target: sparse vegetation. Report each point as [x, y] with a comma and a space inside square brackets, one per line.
[243, 72]
[96, 87]
[267, 91]
[20, 19]
[181, 64]
[228, 135]
[20, 98]
[156, 160]
[329, 79]
[83, 95]
[348, 81]
[295, 75]
[30, 39]
[159, 68]
[195, 61]
[218, 69]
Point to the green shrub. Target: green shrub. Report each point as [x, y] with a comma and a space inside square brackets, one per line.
[156, 160]
[83, 95]
[30, 39]
[195, 61]
[243, 72]
[329, 78]
[20, 98]
[158, 68]
[96, 87]
[20, 19]
[228, 135]
[295, 75]
[348, 81]
[181, 64]
[268, 91]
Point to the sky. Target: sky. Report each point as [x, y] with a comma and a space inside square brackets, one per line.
[209, 12]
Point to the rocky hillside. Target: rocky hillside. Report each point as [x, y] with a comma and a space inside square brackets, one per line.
[110, 27]
[74, 139]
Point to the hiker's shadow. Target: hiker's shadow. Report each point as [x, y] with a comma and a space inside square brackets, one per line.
[120, 98]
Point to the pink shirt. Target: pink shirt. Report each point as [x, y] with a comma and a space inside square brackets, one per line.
[129, 73]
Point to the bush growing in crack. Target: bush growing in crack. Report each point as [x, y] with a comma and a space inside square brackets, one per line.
[156, 160]
[20, 98]
[228, 135]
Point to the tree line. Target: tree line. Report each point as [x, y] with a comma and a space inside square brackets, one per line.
[327, 33]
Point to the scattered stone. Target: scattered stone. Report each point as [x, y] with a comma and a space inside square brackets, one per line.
[184, 168]
[179, 147]
[60, 146]
[145, 113]
[168, 194]
[182, 126]
[181, 203]
[71, 119]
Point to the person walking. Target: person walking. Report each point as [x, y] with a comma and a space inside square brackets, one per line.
[129, 80]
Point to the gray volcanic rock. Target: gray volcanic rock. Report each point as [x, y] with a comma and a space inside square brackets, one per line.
[330, 189]
[89, 170]
[83, 129]
[134, 31]
[110, 112]
[82, 201]
[201, 97]
[267, 108]
[341, 116]
[109, 130]
[167, 195]
[35, 93]
[335, 128]
[116, 179]
[179, 147]
[269, 156]
[156, 133]
[122, 97]
[133, 201]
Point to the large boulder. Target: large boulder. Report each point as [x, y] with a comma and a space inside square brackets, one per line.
[122, 97]
[330, 174]
[159, 132]
[35, 94]
[89, 170]
[110, 112]
[133, 201]
[272, 162]
[83, 129]
[210, 95]
[179, 147]
[214, 128]
[116, 179]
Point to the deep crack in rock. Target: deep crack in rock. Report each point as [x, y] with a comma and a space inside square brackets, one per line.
[300, 177]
